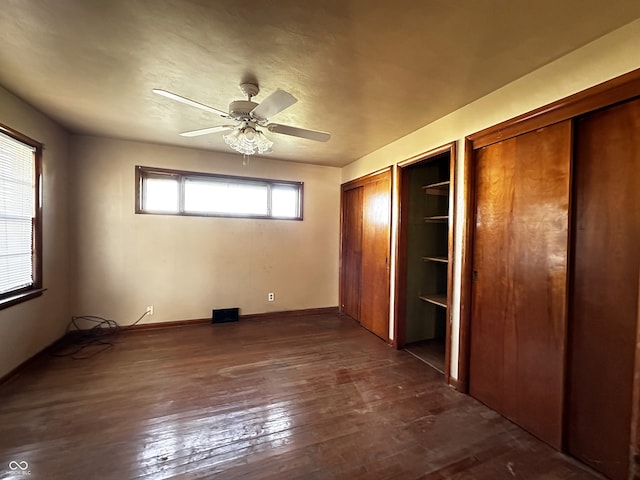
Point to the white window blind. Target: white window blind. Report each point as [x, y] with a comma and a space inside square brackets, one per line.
[285, 201]
[17, 213]
[206, 196]
[161, 194]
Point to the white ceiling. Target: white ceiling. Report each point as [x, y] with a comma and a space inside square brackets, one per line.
[368, 71]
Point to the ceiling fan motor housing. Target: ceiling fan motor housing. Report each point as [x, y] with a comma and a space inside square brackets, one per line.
[241, 109]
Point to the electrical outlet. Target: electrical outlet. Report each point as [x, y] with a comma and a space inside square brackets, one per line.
[150, 310]
[271, 297]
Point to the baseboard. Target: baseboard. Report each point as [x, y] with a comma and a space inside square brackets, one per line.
[251, 316]
[16, 371]
[291, 313]
[159, 325]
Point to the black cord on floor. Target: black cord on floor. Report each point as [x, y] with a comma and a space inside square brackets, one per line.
[80, 344]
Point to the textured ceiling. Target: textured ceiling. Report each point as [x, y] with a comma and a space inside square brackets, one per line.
[367, 71]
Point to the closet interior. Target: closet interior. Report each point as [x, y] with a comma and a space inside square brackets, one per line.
[425, 237]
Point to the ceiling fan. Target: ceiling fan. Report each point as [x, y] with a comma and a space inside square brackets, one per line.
[246, 136]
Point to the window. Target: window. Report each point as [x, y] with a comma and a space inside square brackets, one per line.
[175, 192]
[20, 218]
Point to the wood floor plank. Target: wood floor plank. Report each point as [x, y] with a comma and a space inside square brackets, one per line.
[314, 397]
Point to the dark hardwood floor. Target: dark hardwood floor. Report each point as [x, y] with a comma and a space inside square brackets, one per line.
[314, 397]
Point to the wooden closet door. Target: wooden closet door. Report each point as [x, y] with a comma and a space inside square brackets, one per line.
[604, 306]
[376, 244]
[518, 319]
[351, 263]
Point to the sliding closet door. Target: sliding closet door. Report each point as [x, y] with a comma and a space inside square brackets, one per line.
[518, 319]
[351, 264]
[604, 304]
[376, 245]
[365, 251]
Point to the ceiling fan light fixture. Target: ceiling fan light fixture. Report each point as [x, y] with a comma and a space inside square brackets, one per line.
[263, 143]
[249, 134]
[248, 141]
[245, 137]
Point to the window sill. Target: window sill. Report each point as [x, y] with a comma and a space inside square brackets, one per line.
[20, 297]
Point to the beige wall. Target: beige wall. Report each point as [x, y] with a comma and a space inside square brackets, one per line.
[186, 266]
[606, 58]
[28, 327]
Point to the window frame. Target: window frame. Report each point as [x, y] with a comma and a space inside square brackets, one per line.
[142, 173]
[36, 289]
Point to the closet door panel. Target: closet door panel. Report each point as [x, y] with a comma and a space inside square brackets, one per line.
[605, 273]
[376, 244]
[518, 324]
[351, 264]
[540, 276]
[492, 259]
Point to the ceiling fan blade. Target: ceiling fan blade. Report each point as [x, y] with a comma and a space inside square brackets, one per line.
[273, 104]
[190, 102]
[204, 131]
[299, 132]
